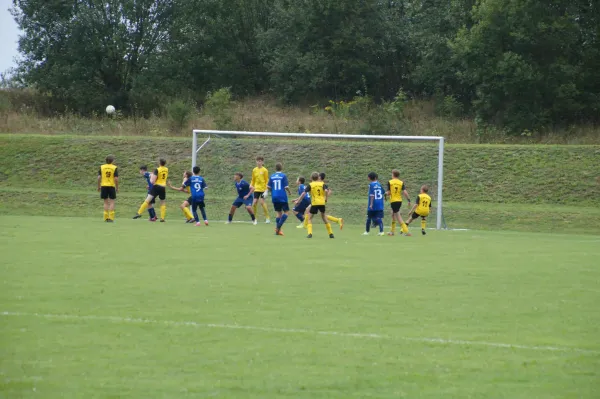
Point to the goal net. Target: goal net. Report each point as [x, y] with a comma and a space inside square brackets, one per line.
[345, 159]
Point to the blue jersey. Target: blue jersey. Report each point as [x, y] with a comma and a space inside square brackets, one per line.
[147, 177]
[278, 182]
[243, 188]
[376, 191]
[306, 199]
[197, 186]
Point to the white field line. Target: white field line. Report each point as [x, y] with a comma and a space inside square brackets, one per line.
[172, 323]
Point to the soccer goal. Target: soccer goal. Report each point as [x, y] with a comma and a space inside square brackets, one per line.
[346, 159]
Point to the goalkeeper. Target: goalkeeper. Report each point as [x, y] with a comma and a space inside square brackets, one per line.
[260, 177]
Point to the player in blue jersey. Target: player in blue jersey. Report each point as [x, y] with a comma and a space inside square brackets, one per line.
[279, 187]
[244, 191]
[197, 185]
[144, 172]
[301, 208]
[375, 208]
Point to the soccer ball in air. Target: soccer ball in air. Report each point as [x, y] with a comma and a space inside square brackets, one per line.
[110, 110]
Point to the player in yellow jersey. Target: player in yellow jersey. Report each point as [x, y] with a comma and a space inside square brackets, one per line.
[185, 205]
[318, 198]
[260, 177]
[395, 189]
[108, 185]
[333, 219]
[421, 208]
[159, 184]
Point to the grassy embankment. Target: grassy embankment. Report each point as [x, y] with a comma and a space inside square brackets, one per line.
[528, 188]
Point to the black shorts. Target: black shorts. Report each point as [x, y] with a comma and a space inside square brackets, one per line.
[197, 204]
[153, 200]
[415, 215]
[396, 206]
[314, 209]
[375, 214]
[281, 206]
[189, 200]
[159, 191]
[108, 192]
[258, 194]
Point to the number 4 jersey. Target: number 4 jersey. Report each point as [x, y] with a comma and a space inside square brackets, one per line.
[376, 191]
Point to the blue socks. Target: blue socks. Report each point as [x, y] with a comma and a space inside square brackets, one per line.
[300, 217]
[368, 226]
[281, 221]
[151, 212]
[230, 218]
[203, 213]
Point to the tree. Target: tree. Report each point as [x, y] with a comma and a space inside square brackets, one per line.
[330, 49]
[531, 62]
[89, 53]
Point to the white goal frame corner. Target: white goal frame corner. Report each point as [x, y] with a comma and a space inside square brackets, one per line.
[439, 139]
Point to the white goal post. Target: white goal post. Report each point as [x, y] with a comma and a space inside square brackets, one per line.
[438, 139]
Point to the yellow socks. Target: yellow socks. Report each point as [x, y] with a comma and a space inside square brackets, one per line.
[305, 221]
[333, 219]
[328, 227]
[143, 207]
[111, 215]
[393, 226]
[404, 228]
[105, 215]
[423, 224]
[163, 211]
[254, 208]
[265, 210]
[187, 213]
[309, 228]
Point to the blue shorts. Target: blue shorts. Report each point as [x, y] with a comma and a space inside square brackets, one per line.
[375, 214]
[301, 207]
[239, 201]
[281, 206]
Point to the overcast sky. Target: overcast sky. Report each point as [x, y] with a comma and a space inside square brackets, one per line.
[9, 34]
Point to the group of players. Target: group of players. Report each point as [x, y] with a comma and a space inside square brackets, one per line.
[312, 197]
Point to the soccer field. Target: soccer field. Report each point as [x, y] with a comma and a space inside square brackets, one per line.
[135, 309]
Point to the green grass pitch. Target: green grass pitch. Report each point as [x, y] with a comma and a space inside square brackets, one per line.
[134, 309]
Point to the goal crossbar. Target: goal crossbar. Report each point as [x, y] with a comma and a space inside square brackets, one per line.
[438, 139]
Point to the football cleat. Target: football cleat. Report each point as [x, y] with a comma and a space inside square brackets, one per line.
[190, 221]
[381, 234]
[423, 232]
[152, 219]
[366, 233]
[331, 236]
[267, 221]
[255, 222]
[309, 236]
[391, 233]
[162, 220]
[206, 222]
[198, 224]
[137, 216]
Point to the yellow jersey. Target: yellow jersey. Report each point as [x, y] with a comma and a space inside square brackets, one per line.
[107, 174]
[317, 190]
[423, 204]
[162, 173]
[260, 177]
[395, 187]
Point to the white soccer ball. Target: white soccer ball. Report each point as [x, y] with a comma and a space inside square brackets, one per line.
[110, 110]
